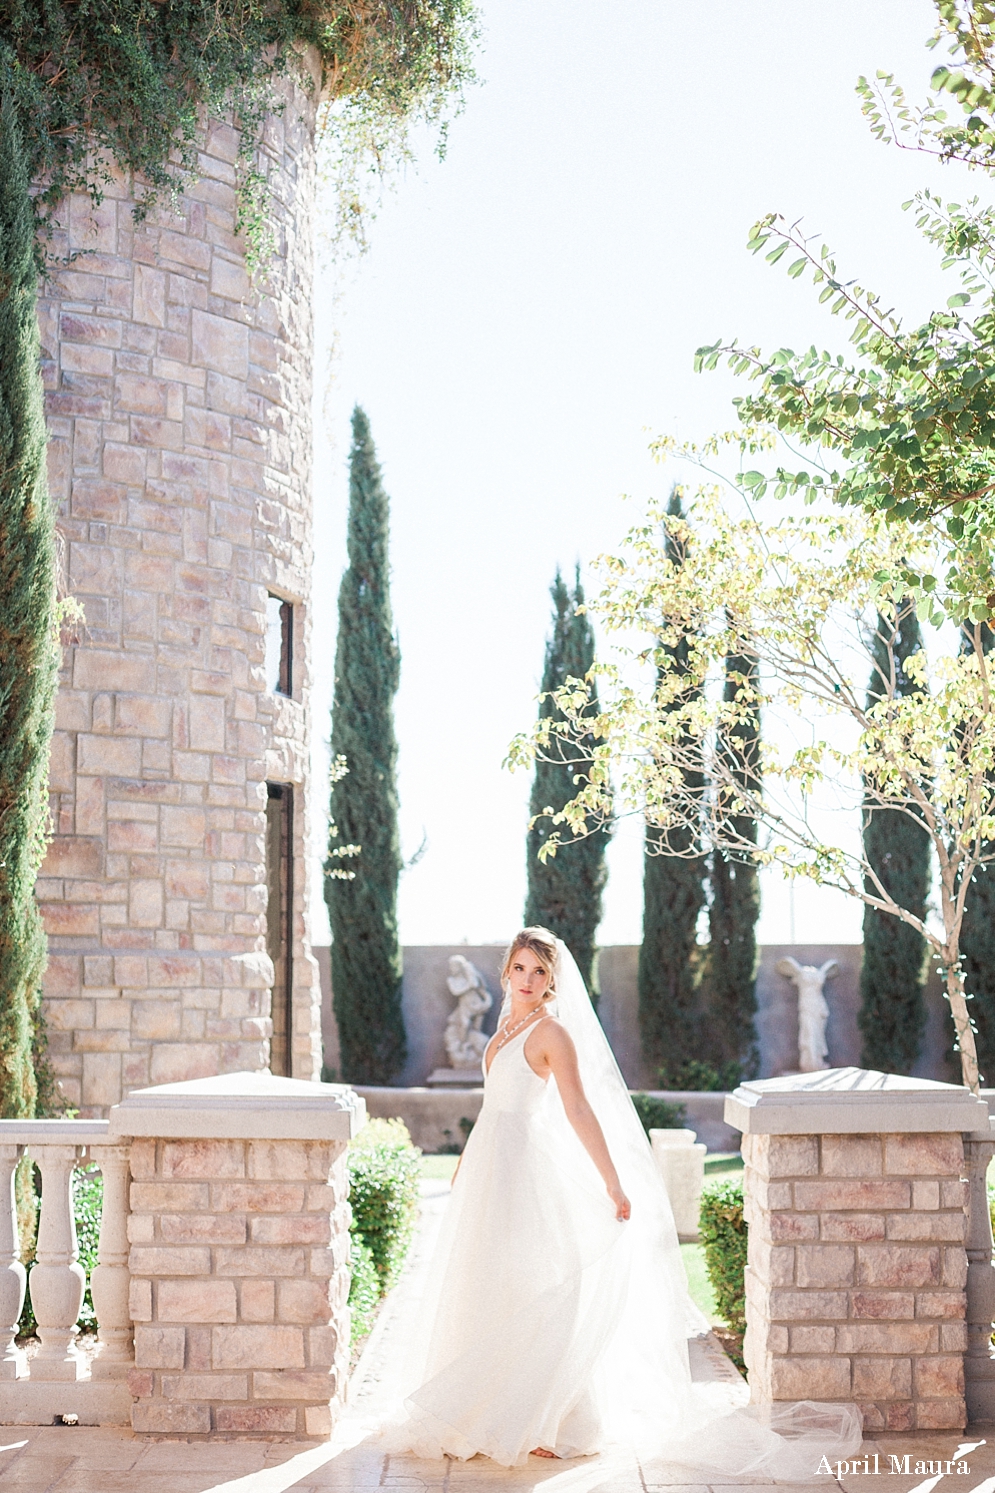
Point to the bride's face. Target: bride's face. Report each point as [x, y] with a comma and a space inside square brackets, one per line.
[529, 978]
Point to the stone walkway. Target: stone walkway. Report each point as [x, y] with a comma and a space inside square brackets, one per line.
[80, 1459]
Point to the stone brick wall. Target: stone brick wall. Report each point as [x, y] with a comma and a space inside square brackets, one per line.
[239, 1286]
[856, 1274]
[178, 401]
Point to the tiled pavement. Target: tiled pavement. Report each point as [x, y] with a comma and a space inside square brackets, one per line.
[85, 1460]
[81, 1459]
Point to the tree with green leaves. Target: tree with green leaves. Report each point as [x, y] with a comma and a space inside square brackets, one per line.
[564, 894]
[797, 593]
[366, 955]
[29, 653]
[892, 1015]
[674, 886]
[734, 907]
[977, 932]
[905, 425]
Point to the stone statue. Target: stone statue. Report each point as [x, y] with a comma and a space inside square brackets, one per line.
[465, 1042]
[813, 1013]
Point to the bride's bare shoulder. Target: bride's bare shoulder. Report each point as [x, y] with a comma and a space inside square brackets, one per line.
[553, 1034]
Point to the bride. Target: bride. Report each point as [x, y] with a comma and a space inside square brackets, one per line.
[557, 1314]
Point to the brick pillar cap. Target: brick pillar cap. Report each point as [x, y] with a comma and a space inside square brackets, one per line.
[850, 1101]
[241, 1106]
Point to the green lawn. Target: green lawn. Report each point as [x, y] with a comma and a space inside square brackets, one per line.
[701, 1291]
[438, 1168]
[723, 1164]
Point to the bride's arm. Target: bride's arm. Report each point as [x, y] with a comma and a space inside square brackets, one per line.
[557, 1049]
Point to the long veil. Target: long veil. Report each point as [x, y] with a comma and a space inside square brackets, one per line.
[647, 1381]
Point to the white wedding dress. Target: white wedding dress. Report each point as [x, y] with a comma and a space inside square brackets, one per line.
[548, 1323]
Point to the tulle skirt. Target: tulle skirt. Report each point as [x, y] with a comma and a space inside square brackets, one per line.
[548, 1323]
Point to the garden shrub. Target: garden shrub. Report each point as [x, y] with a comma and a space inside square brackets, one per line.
[723, 1236]
[702, 1077]
[658, 1114]
[383, 1195]
[364, 1289]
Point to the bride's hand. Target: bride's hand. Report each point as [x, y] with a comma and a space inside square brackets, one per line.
[623, 1208]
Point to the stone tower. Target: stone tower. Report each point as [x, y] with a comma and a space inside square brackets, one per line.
[179, 413]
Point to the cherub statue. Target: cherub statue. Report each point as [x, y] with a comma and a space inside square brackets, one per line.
[465, 1042]
[813, 1013]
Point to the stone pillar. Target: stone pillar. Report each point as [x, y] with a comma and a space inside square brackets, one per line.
[979, 1363]
[239, 1254]
[109, 1279]
[855, 1282]
[178, 405]
[680, 1159]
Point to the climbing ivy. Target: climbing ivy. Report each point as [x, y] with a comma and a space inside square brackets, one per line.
[99, 84]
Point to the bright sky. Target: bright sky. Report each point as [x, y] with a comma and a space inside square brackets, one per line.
[526, 319]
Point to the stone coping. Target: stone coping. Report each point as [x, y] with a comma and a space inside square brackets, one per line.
[851, 1101]
[241, 1106]
[69, 1132]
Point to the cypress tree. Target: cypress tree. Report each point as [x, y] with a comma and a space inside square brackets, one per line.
[892, 1014]
[564, 892]
[735, 900]
[673, 897]
[28, 651]
[366, 955]
[977, 933]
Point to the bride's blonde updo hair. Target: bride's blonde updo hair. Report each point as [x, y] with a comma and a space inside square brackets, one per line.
[541, 943]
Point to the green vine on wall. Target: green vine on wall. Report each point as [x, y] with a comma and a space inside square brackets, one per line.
[88, 87]
[99, 84]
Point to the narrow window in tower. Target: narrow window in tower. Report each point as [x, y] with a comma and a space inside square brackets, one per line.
[279, 645]
[280, 920]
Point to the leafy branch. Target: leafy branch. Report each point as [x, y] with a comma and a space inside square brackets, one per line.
[797, 597]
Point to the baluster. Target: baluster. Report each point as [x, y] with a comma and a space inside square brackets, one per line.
[110, 1279]
[979, 1364]
[57, 1281]
[12, 1274]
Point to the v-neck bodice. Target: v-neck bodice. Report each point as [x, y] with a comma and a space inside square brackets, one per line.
[510, 1083]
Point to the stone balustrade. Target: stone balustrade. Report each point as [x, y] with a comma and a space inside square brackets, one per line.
[223, 1275]
[856, 1197]
[58, 1379]
[12, 1273]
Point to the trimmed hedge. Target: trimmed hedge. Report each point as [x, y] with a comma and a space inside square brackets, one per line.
[723, 1235]
[658, 1114]
[383, 1196]
[702, 1077]
[364, 1289]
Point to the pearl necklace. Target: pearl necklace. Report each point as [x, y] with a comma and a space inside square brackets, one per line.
[509, 1032]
